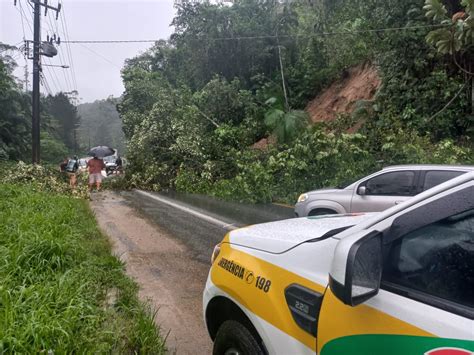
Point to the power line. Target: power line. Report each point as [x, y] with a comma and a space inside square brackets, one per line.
[113, 41]
[68, 47]
[46, 85]
[22, 24]
[100, 55]
[66, 74]
[23, 16]
[55, 83]
[322, 34]
[66, 58]
[48, 50]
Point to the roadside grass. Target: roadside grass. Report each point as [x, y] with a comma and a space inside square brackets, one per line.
[61, 290]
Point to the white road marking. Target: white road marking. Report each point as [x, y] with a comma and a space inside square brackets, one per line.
[200, 215]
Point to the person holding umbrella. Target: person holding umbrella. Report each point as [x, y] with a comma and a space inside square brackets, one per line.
[95, 166]
[101, 151]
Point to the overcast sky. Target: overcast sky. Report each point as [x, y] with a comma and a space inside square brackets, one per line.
[96, 66]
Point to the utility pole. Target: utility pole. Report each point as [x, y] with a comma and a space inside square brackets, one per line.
[47, 50]
[287, 105]
[26, 77]
[35, 127]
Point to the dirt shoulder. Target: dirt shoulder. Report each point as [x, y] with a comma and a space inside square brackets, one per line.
[169, 279]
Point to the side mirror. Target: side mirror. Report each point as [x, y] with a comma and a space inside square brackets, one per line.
[357, 268]
[362, 190]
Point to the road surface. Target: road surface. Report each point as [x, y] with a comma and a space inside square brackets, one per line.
[166, 245]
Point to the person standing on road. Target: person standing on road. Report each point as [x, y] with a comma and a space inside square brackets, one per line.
[63, 164]
[118, 163]
[71, 170]
[95, 166]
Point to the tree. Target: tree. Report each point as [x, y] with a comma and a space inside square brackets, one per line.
[286, 125]
[101, 125]
[456, 38]
[457, 33]
[14, 112]
[65, 114]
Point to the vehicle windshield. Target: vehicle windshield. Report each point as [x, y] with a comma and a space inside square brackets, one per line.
[109, 159]
[347, 182]
[344, 184]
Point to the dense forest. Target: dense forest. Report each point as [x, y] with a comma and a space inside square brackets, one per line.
[195, 105]
[66, 129]
[225, 105]
[101, 125]
[59, 118]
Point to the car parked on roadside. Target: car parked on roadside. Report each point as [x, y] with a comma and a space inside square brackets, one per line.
[377, 192]
[82, 162]
[399, 281]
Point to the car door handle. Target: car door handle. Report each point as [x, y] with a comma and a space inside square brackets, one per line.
[398, 202]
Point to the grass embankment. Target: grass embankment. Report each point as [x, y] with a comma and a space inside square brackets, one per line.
[60, 288]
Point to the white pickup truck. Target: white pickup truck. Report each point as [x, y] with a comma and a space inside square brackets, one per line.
[396, 282]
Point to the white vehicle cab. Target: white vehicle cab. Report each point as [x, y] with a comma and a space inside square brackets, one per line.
[398, 282]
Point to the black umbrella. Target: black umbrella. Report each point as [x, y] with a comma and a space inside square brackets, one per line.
[101, 151]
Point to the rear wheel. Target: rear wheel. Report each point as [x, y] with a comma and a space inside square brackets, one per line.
[321, 211]
[233, 338]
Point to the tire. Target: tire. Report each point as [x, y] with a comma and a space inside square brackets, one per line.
[321, 211]
[233, 338]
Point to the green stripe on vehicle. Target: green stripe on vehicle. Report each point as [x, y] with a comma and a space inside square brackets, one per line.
[374, 344]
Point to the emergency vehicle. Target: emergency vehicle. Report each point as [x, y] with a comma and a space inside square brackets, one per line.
[396, 282]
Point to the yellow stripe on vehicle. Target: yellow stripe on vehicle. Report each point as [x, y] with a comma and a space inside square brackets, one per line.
[240, 274]
[340, 321]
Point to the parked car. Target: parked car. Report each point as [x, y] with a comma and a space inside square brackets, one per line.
[377, 192]
[400, 281]
[83, 164]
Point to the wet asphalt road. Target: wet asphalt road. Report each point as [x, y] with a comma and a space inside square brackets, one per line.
[166, 241]
[199, 235]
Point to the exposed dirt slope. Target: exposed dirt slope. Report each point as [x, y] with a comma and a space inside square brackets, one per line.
[358, 83]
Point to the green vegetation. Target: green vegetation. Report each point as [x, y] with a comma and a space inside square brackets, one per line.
[66, 130]
[58, 118]
[14, 114]
[43, 178]
[100, 125]
[61, 290]
[195, 105]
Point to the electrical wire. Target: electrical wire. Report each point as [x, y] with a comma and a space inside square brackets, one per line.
[22, 24]
[66, 73]
[45, 84]
[23, 48]
[56, 86]
[322, 34]
[25, 17]
[63, 56]
[68, 47]
[99, 55]
[53, 74]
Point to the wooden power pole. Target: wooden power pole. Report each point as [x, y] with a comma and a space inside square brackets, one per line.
[38, 50]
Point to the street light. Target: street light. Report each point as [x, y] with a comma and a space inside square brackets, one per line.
[58, 66]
